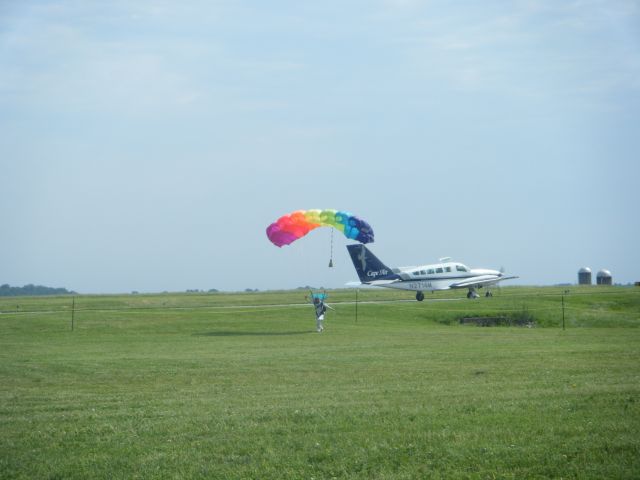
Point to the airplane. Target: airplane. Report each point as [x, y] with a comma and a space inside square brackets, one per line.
[441, 276]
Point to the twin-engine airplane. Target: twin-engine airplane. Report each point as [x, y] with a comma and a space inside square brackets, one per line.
[441, 276]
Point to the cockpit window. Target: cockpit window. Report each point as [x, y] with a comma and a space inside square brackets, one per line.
[461, 268]
[439, 270]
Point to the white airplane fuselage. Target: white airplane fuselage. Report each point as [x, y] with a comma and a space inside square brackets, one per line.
[439, 276]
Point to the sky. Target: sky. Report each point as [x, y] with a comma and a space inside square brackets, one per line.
[146, 146]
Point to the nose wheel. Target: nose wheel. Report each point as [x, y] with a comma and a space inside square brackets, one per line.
[472, 294]
[420, 296]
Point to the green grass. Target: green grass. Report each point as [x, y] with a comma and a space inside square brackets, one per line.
[199, 386]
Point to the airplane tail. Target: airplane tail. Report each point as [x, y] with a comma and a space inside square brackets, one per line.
[368, 266]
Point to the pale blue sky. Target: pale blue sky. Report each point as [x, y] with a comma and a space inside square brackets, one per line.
[147, 145]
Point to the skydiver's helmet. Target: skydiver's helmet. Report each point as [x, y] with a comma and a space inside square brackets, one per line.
[316, 300]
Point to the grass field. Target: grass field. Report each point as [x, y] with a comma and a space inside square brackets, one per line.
[240, 386]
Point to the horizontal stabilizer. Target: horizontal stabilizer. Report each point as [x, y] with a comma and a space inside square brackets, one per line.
[381, 283]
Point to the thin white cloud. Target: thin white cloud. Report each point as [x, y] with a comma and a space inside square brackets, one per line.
[533, 48]
[60, 64]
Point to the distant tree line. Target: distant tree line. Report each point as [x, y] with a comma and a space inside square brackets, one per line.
[30, 290]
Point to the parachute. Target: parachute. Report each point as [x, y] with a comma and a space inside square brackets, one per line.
[291, 227]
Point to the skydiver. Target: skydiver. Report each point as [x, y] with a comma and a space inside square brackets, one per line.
[320, 308]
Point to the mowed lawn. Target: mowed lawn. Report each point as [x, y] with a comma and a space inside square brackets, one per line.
[218, 390]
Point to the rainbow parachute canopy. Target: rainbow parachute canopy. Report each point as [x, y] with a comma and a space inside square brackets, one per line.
[289, 228]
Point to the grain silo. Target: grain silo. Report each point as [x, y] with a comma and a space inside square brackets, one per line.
[584, 276]
[604, 277]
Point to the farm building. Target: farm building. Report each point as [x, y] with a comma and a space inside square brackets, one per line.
[584, 276]
[604, 277]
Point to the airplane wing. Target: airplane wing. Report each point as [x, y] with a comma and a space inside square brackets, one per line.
[479, 281]
[509, 278]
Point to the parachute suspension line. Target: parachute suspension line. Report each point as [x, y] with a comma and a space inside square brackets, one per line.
[331, 254]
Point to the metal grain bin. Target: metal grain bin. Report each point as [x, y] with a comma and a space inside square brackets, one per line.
[604, 277]
[584, 276]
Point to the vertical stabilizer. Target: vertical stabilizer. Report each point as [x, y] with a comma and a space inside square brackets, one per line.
[368, 266]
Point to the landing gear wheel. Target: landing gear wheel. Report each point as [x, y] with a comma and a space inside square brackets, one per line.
[419, 296]
[488, 294]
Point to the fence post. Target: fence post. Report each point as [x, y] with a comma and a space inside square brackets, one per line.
[73, 311]
[563, 311]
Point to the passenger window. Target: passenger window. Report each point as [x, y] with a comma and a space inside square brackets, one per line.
[439, 270]
[415, 274]
[422, 272]
[431, 271]
[447, 269]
